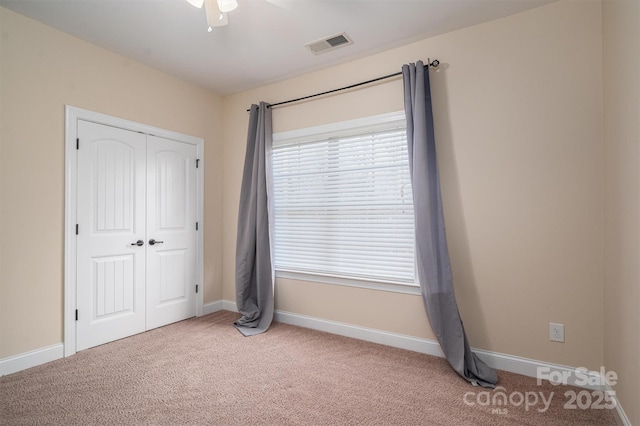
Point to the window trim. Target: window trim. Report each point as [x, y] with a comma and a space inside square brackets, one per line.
[340, 126]
[393, 287]
[343, 128]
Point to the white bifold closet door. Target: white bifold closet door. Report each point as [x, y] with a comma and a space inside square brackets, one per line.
[136, 237]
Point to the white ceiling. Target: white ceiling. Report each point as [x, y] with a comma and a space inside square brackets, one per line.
[264, 41]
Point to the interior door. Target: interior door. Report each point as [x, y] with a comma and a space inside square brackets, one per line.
[110, 288]
[137, 238]
[171, 231]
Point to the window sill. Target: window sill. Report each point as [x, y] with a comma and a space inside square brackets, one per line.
[350, 282]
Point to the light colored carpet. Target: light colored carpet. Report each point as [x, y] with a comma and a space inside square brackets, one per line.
[203, 371]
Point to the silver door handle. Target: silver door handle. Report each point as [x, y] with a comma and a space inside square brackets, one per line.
[153, 242]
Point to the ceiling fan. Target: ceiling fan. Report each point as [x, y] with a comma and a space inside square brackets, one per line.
[216, 11]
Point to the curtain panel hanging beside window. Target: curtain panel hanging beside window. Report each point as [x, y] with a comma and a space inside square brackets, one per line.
[254, 265]
[432, 256]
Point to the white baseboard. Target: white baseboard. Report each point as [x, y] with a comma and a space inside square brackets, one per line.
[401, 341]
[20, 362]
[228, 305]
[620, 415]
[219, 305]
[211, 307]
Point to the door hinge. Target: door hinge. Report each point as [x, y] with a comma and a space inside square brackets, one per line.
[77, 143]
[197, 162]
[196, 226]
[196, 288]
[76, 229]
[76, 315]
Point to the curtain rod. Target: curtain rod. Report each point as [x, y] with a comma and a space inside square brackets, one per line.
[430, 63]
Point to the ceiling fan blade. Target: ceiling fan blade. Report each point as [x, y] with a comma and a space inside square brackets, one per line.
[227, 5]
[196, 3]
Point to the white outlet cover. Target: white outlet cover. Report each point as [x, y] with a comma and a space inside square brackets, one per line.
[556, 332]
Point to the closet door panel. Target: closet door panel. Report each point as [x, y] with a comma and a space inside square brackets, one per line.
[110, 286]
[171, 232]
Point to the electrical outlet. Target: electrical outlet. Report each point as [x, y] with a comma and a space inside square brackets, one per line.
[556, 332]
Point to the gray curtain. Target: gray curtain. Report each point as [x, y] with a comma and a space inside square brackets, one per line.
[254, 267]
[432, 255]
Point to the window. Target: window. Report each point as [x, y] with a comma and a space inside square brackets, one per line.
[342, 201]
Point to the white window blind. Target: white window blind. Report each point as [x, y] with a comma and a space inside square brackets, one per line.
[342, 201]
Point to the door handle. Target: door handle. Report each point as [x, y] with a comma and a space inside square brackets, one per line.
[153, 242]
[138, 243]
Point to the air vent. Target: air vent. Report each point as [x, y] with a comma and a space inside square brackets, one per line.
[329, 43]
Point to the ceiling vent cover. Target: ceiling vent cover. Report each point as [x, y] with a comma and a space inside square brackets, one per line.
[329, 43]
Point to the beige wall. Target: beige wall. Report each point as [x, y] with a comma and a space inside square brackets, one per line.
[42, 70]
[622, 247]
[518, 116]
